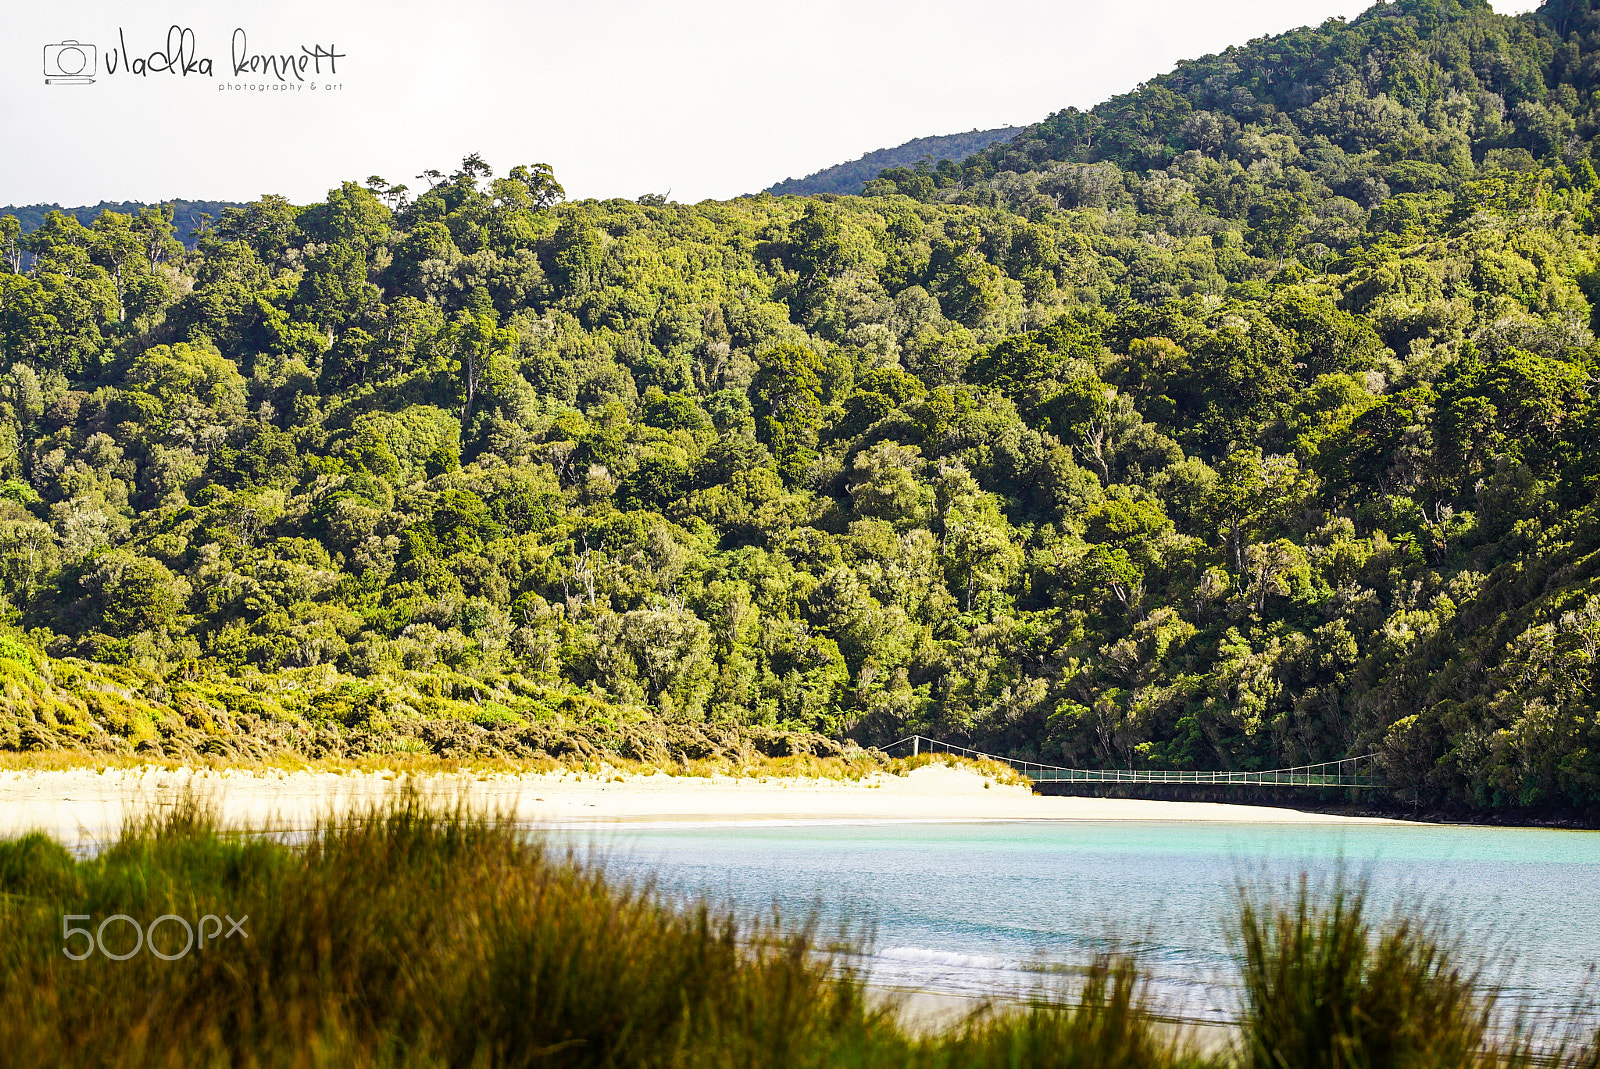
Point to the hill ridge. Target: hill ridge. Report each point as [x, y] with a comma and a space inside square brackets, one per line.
[186, 213]
[850, 176]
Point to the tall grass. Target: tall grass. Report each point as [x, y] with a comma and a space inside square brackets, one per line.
[1324, 989]
[1106, 1024]
[414, 936]
[1326, 986]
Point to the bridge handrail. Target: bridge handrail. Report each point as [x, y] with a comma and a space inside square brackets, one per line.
[1312, 775]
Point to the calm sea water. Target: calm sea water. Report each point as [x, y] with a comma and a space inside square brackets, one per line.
[997, 908]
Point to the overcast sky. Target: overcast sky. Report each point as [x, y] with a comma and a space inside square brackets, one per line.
[705, 98]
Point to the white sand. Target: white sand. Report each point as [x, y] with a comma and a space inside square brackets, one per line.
[86, 805]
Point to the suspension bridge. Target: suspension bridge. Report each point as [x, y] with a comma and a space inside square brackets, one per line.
[1349, 772]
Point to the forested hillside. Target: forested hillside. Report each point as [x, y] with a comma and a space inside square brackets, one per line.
[852, 177]
[1244, 421]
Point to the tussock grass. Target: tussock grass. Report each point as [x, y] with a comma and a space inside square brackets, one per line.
[1324, 988]
[403, 936]
[1108, 1023]
[852, 767]
[1327, 986]
[418, 935]
[414, 936]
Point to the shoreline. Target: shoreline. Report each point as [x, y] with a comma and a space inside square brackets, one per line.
[929, 1011]
[79, 805]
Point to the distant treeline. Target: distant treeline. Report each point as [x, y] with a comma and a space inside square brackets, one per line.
[852, 177]
[186, 214]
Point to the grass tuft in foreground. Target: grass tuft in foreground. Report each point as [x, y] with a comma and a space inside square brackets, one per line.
[1324, 989]
[1327, 987]
[1105, 1024]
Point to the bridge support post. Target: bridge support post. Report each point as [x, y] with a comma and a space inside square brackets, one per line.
[916, 745]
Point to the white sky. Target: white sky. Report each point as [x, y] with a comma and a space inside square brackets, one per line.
[707, 98]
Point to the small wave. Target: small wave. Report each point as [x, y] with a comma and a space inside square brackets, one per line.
[950, 959]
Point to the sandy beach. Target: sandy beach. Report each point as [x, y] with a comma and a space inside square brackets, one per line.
[83, 805]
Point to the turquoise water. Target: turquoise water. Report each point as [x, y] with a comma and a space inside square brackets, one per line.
[995, 907]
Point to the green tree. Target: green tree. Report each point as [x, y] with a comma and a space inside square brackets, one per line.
[786, 395]
[135, 593]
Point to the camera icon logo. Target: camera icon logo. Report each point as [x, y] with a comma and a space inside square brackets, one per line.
[69, 63]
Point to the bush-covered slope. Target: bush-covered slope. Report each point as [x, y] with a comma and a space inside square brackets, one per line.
[1078, 461]
[1293, 133]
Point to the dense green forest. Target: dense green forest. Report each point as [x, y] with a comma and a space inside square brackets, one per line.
[853, 176]
[1245, 420]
